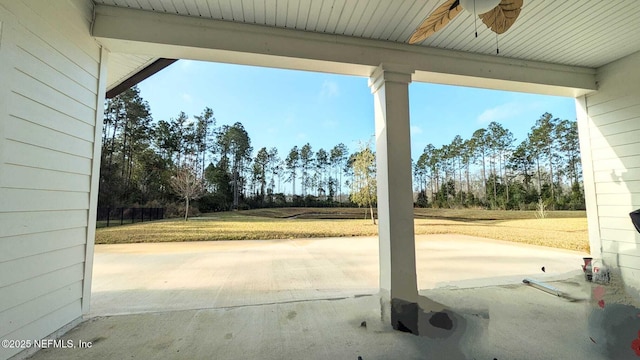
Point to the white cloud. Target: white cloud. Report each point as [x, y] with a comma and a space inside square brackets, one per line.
[509, 111]
[500, 112]
[329, 89]
[187, 98]
[415, 130]
[301, 136]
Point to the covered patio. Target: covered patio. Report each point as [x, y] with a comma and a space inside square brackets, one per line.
[318, 299]
[58, 61]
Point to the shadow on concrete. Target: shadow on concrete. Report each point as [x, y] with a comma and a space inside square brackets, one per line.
[494, 322]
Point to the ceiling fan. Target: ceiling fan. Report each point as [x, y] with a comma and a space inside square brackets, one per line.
[497, 15]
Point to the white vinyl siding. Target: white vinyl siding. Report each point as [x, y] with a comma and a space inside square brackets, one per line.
[613, 118]
[4, 94]
[50, 71]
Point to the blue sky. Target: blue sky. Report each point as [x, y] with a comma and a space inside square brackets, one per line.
[283, 108]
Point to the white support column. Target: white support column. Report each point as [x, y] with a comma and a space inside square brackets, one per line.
[398, 283]
[591, 201]
[95, 181]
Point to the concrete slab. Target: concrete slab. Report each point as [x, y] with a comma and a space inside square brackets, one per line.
[133, 278]
[307, 299]
[511, 322]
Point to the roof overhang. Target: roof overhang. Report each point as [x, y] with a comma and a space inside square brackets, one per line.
[138, 76]
[163, 35]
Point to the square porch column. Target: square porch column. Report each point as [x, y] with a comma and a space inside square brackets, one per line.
[398, 282]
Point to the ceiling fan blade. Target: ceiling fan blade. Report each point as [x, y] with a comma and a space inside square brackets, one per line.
[438, 19]
[500, 19]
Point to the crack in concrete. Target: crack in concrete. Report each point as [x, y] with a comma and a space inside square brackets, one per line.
[231, 307]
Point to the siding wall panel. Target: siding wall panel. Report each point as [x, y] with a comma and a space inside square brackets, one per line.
[36, 90]
[614, 117]
[58, 35]
[50, 14]
[627, 188]
[617, 222]
[630, 136]
[39, 48]
[4, 90]
[24, 291]
[34, 112]
[29, 133]
[33, 244]
[47, 324]
[17, 270]
[620, 235]
[40, 69]
[38, 157]
[615, 104]
[19, 316]
[620, 164]
[52, 79]
[613, 246]
[18, 223]
[617, 210]
[21, 177]
[615, 152]
[26, 200]
[614, 199]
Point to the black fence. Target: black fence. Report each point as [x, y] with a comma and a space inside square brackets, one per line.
[119, 216]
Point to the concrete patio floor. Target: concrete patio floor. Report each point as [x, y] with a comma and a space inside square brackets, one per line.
[135, 278]
[308, 299]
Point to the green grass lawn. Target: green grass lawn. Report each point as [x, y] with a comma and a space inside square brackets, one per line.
[566, 229]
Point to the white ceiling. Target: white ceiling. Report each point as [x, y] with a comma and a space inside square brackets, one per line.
[586, 33]
[123, 66]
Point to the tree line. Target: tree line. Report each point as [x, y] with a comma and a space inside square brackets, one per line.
[147, 162]
[159, 163]
[492, 170]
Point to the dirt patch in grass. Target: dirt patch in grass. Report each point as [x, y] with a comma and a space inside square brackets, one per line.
[557, 231]
[453, 214]
[309, 213]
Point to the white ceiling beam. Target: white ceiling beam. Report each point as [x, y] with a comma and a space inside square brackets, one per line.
[175, 36]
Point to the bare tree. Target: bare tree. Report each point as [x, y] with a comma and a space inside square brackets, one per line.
[364, 186]
[187, 184]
